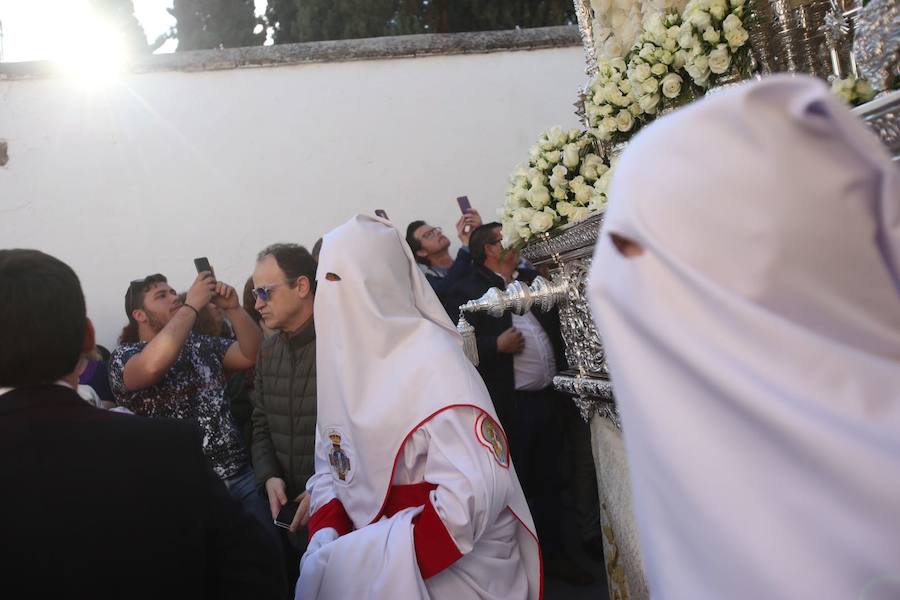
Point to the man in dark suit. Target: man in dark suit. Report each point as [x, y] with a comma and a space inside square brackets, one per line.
[518, 357]
[97, 504]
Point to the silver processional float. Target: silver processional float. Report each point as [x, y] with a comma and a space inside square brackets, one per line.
[838, 40]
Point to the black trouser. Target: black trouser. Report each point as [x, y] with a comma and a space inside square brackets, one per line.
[535, 433]
[580, 473]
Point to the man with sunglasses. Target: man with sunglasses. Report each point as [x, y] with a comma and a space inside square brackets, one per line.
[162, 369]
[431, 248]
[284, 394]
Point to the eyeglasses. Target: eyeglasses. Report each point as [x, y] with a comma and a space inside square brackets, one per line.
[264, 293]
[431, 233]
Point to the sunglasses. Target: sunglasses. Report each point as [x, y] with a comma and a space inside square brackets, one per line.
[264, 293]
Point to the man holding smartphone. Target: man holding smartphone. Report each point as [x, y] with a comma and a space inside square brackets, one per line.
[431, 249]
[163, 369]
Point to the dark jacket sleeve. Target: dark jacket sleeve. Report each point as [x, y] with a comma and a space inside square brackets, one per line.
[459, 269]
[262, 451]
[243, 561]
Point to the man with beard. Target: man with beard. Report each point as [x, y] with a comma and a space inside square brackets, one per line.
[163, 369]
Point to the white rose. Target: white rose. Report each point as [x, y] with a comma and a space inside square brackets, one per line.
[711, 36]
[608, 125]
[625, 87]
[666, 57]
[718, 8]
[589, 166]
[737, 3]
[671, 85]
[647, 51]
[583, 194]
[574, 134]
[686, 39]
[605, 110]
[598, 202]
[552, 157]
[736, 37]
[659, 69]
[670, 43]
[564, 208]
[521, 216]
[570, 156]
[641, 72]
[698, 70]
[719, 59]
[557, 136]
[635, 109]
[731, 23]
[560, 193]
[539, 197]
[542, 164]
[700, 19]
[534, 152]
[649, 103]
[541, 222]
[651, 86]
[680, 59]
[559, 172]
[524, 232]
[618, 64]
[624, 120]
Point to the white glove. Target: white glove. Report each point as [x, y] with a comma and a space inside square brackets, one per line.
[320, 539]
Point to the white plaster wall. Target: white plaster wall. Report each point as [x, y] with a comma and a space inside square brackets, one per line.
[148, 172]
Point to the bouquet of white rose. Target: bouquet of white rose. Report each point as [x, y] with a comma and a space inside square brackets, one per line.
[610, 105]
[711, 35]
[654, 65]
[564, 182]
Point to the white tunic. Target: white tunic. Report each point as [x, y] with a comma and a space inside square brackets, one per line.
[444, 451]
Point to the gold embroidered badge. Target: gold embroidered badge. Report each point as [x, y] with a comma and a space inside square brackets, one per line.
[492, 437]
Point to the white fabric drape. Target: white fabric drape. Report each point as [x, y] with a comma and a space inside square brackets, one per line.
[754, 346]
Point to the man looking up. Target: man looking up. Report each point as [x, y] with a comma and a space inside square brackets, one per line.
[284, 395]
[163, 369]
[431, 250]
[144, 516]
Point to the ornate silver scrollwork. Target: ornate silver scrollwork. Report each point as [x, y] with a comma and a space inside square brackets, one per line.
[883, 116]
[518, 298]
[876, 42]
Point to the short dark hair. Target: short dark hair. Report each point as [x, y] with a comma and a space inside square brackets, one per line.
[134, 299]
[414, 244]
[481, 237]
[42, 317]
[294, 260]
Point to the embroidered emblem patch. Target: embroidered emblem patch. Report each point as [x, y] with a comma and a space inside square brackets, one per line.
[339, 458]
[492, 437]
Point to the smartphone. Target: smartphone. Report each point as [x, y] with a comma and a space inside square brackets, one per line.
[464, 204]
[286, 514]
[202, 264]
[381, 213]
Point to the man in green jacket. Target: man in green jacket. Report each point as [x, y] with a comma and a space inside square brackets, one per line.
[284, 398]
